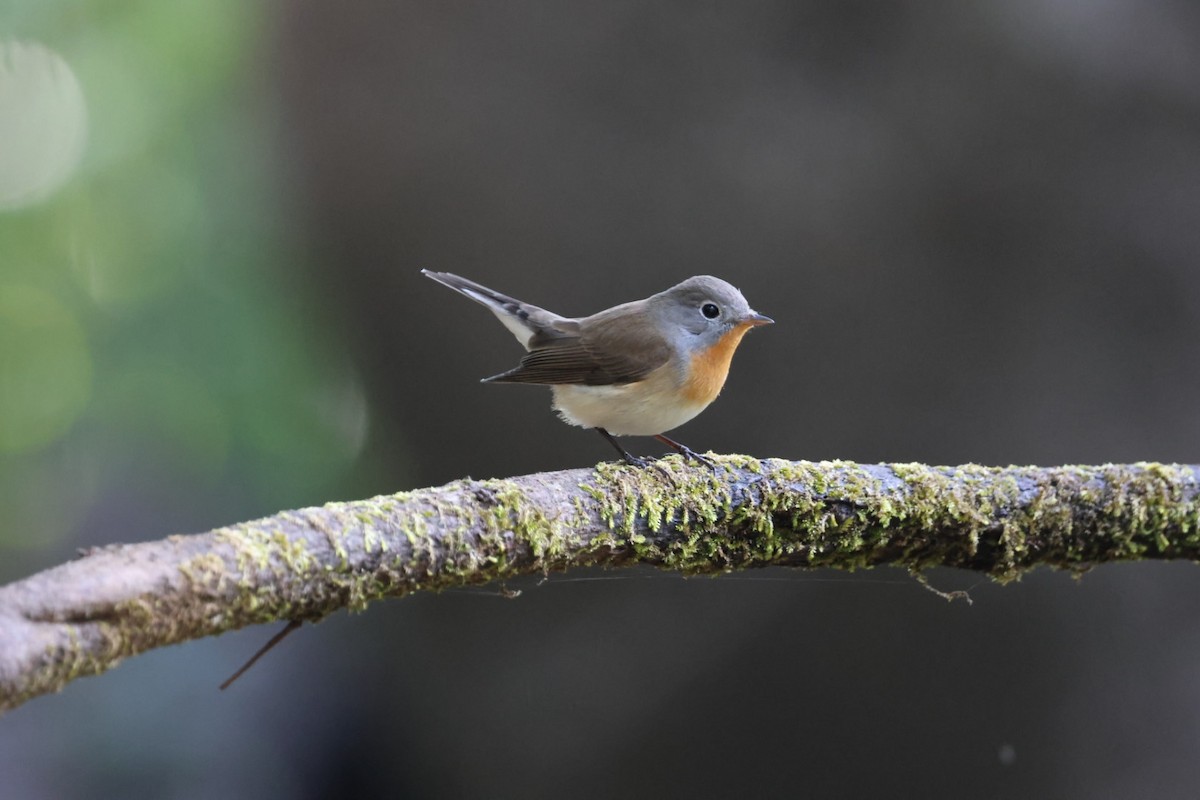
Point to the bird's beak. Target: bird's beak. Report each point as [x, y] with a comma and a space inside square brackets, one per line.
[754, 319]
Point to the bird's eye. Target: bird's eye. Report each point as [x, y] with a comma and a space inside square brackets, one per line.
[710, 310]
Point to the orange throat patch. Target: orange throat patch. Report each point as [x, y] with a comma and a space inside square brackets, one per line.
[709, 368]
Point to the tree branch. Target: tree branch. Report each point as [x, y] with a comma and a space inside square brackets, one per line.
[82, 617]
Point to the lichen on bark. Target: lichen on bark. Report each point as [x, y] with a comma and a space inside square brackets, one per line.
[81, 618]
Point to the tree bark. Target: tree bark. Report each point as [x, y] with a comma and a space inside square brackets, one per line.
[83, 617]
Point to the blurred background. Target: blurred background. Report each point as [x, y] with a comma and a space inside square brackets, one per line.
[977, 225]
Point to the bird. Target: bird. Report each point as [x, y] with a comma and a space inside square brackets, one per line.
[637, 369]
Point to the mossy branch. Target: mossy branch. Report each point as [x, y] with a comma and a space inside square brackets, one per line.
[81, 618]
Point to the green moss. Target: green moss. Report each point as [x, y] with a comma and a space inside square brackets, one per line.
[999, 520]
[303, 565]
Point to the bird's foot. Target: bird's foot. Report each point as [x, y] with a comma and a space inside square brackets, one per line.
[691, 455]
[636, 461]
[688, 453]
[629, 458]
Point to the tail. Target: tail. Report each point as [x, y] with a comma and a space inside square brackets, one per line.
[523, 320]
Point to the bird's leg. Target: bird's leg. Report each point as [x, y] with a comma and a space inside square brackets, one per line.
[629, 458]
[686, 451]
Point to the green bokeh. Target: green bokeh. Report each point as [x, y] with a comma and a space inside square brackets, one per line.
[45, 369]
[155, 326]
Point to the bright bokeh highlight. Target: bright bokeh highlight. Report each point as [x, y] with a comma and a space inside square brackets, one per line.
[43, 123]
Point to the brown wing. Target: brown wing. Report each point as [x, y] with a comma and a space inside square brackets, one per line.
[609, 348]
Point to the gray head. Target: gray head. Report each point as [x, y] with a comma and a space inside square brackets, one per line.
[708, 307]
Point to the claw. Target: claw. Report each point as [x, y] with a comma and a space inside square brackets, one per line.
[636, 461]
[687, 452]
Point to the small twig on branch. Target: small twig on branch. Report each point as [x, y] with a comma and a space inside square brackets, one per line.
[262, 651]
[81, 618]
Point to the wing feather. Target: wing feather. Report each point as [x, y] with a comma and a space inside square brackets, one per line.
[609, 348]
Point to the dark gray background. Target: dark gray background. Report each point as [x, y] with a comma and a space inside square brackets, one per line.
[978, 226]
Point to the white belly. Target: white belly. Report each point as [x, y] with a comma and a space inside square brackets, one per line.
[636, 409]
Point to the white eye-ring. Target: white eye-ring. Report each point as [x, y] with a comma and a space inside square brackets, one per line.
[710, 310]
